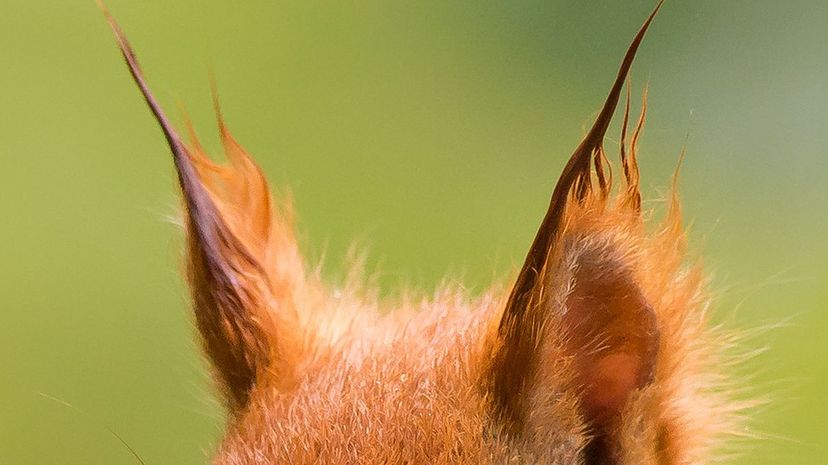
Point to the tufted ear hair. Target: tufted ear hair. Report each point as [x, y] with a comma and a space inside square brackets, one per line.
[242, 302]
[579, 283]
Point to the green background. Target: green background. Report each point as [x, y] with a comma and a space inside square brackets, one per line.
[430, 132]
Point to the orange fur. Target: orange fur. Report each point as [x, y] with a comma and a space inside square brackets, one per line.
[601, 352]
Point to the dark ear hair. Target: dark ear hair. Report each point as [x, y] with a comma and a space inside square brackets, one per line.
[230, 233]
[609, 329]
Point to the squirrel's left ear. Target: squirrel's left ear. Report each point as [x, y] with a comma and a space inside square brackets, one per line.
[579, 283]
[589, 311]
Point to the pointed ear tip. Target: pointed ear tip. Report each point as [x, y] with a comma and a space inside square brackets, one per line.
[102, 6]
[110, 19]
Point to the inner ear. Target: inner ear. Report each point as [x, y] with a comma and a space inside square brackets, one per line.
[612, 335]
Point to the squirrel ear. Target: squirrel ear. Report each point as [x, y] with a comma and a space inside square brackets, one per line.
[240, 307]
[609, 330]
[601, 321]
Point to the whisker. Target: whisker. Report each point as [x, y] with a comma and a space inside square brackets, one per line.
[89, 416]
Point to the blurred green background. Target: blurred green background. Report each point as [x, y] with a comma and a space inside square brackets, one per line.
[430, 132]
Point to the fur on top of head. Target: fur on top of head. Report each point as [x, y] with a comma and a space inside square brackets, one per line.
[600, 352]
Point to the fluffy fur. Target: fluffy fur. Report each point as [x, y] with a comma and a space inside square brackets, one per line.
[600, 353]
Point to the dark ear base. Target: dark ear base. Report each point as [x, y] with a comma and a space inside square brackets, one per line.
[610, 328]
[228, 223]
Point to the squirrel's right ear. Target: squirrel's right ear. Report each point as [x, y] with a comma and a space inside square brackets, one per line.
[578, 284]
[242, 259]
